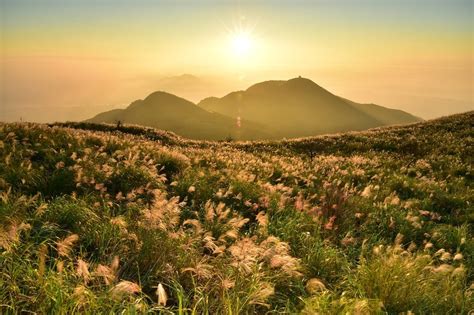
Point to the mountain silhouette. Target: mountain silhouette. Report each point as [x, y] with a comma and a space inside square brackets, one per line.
[299, 107]
[267, 110]
[169, 112]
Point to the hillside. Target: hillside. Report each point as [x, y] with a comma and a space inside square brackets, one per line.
[299, 107]
[267, 110]
[169, 112]
[99, 219]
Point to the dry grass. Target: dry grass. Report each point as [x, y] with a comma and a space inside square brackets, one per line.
[93, 221]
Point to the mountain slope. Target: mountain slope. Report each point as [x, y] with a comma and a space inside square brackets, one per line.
[299, 107]
[96, 219]
[169, 112]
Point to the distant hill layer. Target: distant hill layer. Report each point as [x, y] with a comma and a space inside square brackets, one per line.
[299, 107]
[169, 112]
[268, 110]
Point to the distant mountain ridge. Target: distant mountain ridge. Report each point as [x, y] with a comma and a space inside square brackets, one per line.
[267, 110]
[169, 112]
[299, 107]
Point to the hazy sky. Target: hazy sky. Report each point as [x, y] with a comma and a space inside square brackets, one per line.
[70, 59]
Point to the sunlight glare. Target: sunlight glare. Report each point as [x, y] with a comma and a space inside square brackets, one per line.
[241, 43]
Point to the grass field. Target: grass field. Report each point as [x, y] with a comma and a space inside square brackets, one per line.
[98, 220]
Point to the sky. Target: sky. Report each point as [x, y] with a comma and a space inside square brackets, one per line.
[71, 59]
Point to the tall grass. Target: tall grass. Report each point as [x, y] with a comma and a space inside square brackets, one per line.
[99, 220]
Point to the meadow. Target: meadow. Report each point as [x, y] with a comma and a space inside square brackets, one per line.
[100, 219]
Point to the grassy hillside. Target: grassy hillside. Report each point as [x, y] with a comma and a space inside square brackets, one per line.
[169, 112]
[299, 107]
[99, 220]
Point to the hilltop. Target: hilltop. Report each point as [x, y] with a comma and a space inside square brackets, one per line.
[268, 110]
[299, 107]
[100, 219]
[168, 112]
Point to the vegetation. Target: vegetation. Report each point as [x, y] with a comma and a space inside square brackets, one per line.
[99, 219]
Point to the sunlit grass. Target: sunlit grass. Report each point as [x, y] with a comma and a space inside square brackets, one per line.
[136, 220]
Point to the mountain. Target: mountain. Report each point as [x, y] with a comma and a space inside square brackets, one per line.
[299, 107]
[267, 110]
[169, 112]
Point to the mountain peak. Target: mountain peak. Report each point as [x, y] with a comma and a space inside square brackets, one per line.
[300, 107]
[162, 96]
[298, 83]
[301, 80]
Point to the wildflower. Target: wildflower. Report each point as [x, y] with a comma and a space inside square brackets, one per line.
[115, 264]
[237, 222]
[119, 196]
[458, 256]
[191, 189]
[444, 268]
[392, 200]
[201, 270]
[399, 239]
[11, 235]
[64, 246]
[164, 213]
[330, 224]
[195, 223]
[119, 221]
[161, 295]
[227, 284]
[264, 201]
[107, 274]
[262, 219]
[358, 215]
[314, 286]
[288, 264]
[424, 213]
[299, 203]
[245, 253]
[41, 209]
[459, 271]
[366, 192]
[428, 245]
[348, 240]
[412, 247]
[60, 266]
[82, 270]
[233, 234]
[445, 256]
[377, 249]
[124, 288]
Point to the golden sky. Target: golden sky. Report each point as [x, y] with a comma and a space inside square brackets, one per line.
[67, 59]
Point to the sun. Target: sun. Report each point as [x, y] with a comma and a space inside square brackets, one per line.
[241, 38]
[241, 43]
